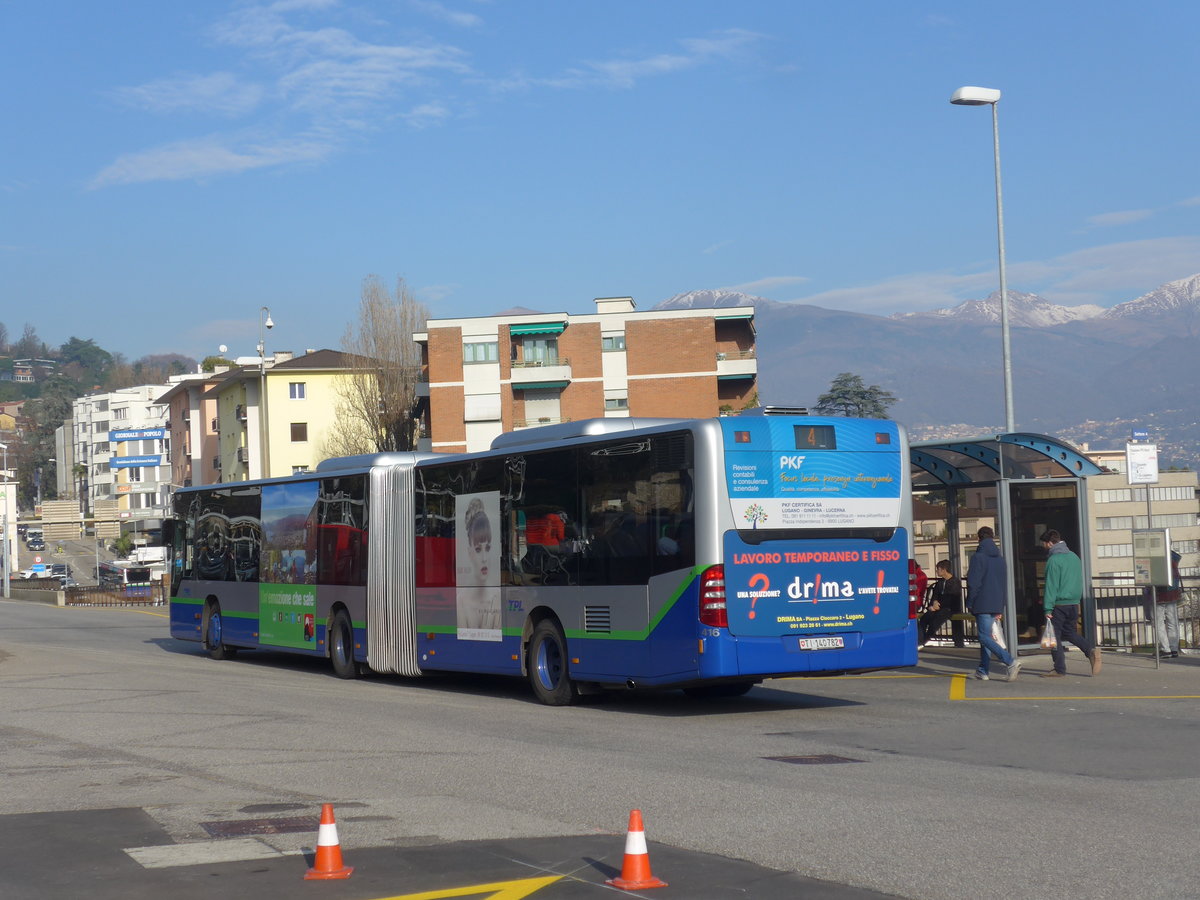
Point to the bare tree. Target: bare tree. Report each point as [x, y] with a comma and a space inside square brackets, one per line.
[376, 395]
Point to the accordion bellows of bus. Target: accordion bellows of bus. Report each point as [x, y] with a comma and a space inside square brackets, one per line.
[705, 555]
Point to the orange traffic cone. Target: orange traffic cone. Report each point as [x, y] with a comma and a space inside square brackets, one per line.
[328, 862]
[635, 871]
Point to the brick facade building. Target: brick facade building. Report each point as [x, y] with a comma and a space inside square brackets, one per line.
[503, 373]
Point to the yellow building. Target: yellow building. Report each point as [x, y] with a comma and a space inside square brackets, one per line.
[288, 432]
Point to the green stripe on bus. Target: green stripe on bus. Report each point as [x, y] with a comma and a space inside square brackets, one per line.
[639, 635]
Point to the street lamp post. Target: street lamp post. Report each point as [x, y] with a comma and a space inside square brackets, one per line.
[978, 96]
[5, 555]
[264, 325]
[37, 483]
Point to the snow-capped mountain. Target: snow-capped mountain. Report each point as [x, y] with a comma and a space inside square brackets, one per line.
[1173, 296]
[1024, 310]
[1071, 366]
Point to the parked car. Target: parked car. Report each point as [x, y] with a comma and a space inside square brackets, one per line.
[35, 544]
[60, 570]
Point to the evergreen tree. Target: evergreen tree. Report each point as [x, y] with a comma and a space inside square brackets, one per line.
[848, 396]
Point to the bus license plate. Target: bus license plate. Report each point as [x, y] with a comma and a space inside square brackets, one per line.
[823, 643]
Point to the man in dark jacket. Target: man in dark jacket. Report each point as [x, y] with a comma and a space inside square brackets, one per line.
[987, 594]
[945, 602]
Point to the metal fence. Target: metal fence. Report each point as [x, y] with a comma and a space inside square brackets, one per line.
[1124, 617]
[152, 594]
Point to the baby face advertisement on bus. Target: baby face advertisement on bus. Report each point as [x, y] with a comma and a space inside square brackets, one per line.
[477, 565]
[287, 591]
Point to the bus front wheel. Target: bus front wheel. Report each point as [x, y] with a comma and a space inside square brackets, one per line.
[215, 635]
[547, 666]
[341, 646]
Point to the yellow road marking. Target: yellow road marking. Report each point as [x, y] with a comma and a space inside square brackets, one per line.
[958, 691]
[500, 890]
[1099, 697]
[958, 687]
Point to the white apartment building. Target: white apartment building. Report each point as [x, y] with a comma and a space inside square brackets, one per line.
[1117, 508]
[121, 440]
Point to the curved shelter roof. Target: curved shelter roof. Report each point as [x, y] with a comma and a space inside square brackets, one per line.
[987, 460]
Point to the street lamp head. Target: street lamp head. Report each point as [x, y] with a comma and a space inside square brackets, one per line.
[975, 96]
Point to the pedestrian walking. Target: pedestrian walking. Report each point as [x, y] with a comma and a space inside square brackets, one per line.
[987, 593]
[1166, 611]
[1060, 602]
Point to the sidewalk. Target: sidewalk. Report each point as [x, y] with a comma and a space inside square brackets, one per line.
[1120, 667]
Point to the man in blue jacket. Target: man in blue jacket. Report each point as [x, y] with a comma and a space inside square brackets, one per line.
[1064, 590]
[987, 594]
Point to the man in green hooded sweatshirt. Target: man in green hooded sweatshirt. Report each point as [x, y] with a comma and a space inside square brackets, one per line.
[1064, 590]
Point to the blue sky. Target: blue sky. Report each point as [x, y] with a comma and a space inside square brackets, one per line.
[168, 168]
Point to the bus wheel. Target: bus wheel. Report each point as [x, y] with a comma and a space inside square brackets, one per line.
[547, 666]
[719, 691]
[215, 635]
[341, 646]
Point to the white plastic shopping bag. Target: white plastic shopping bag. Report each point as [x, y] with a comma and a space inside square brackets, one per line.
[1049, 641]
[998, 633]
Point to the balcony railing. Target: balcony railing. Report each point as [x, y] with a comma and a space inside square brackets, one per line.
[736, 354]
[540, 363]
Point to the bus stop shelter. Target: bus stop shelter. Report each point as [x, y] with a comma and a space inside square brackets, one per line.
[1018, 483]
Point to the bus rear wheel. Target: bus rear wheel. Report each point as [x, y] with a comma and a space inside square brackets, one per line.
[214, 632]
[341, 646]
[547, 666]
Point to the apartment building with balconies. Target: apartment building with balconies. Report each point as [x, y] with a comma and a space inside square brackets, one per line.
[493, 374]
[121, 452]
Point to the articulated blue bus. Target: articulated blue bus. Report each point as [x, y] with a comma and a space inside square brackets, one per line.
[707, 555]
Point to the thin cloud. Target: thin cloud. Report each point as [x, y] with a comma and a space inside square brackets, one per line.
[440, 12]
[1101, 275]
[219, 93]
[427, 114]
[905, 293]
[764, 285]
[314, 85]
[436, 293]
[1125, 217]
[1131, 265]
[717, 246]
[205, 158]
[321, 84]
[626, 72]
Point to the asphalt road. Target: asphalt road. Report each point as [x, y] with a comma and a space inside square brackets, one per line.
[134, 766]
[81, 555]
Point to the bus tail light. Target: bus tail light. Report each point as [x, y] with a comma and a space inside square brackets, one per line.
[914, 590]
[712, 598]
